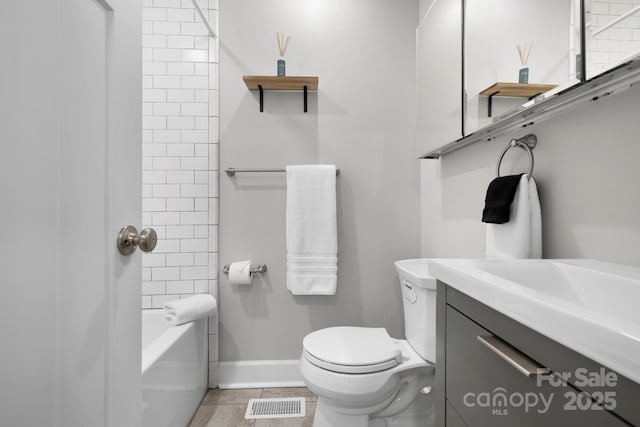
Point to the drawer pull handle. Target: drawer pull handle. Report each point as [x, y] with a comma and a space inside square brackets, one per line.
[513, 357]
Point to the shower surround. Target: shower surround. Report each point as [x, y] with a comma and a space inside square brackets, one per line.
[180, 155]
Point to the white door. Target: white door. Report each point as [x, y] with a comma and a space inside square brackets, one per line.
[70, 132]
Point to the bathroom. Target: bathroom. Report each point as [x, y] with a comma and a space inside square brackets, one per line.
[363, 118]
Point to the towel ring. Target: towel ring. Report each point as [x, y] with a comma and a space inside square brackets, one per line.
[526, 143]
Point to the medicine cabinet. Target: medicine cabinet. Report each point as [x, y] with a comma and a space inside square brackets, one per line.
[439, 75]
[503, 36]
[470, 52]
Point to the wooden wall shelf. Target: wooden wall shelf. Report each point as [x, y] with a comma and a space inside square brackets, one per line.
[514, 90]
[282, 83]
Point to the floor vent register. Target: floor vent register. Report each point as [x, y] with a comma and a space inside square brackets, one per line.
[275, 408]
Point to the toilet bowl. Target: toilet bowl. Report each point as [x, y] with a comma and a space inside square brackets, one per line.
[365, 378]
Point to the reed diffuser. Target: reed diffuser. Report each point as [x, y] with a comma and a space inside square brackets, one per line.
[523, 53]
[283, 44]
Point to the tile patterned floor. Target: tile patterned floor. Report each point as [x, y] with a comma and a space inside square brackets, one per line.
[226, 408]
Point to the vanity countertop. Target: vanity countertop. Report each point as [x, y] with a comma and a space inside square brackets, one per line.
[590, 306]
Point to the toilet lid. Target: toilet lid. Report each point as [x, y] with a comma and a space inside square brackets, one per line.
[349, 349]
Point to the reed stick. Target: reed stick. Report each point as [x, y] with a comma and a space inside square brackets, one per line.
[520, 54]
[526, 58]
[279, 45]
[524, 52]
[282, 43]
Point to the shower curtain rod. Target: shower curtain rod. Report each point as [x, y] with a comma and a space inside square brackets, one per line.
[204, 20]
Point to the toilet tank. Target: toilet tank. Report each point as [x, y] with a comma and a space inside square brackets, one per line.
[419, 303]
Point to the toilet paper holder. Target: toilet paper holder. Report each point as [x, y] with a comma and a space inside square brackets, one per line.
[260, 269]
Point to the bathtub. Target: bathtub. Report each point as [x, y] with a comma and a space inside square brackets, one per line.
[174, 370]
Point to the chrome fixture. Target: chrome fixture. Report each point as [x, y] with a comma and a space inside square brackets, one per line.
[129, 240]
[527, 143]
[233, 171]
[262, 268]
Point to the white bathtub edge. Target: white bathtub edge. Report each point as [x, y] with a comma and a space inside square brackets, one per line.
[259, 374]
[159, 346]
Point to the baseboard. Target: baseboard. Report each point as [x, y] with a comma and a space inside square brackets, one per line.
[259, 374]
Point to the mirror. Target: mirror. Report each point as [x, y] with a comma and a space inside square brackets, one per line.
[529, 45]
[612, 34]
[439, 75]
[580, 66]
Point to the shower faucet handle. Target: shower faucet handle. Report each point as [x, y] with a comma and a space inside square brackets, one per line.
[129, 239]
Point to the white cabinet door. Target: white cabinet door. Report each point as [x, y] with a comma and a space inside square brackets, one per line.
[439, 76]
[70, 132]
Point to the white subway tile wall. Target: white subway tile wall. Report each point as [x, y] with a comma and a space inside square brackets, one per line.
[180, 155]
[616, 43]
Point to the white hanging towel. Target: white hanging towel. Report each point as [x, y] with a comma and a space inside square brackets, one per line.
[311, 226]
[521, 237]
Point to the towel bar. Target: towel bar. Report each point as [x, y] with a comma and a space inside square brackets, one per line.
[233, 171]
[527, 143]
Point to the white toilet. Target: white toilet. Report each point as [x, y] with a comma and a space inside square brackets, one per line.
[365, 378]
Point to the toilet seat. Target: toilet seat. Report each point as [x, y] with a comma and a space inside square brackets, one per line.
[352, 350]
[364, 392]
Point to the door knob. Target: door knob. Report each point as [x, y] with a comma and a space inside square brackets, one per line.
[129, 239]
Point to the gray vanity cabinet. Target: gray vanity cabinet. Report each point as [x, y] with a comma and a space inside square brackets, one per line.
[477, 386]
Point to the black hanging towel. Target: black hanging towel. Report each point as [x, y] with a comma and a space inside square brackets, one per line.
[497, 202]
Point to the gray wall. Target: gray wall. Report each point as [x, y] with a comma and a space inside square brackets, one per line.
[361, 119]
[587, 174]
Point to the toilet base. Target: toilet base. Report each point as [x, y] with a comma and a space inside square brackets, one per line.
[419, 414]
[326, 417]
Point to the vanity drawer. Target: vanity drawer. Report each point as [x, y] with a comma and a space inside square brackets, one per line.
[486, 390]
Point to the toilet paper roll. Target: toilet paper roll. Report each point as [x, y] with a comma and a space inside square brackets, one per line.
[240, 273]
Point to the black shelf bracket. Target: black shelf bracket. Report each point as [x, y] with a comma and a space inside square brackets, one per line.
[304, 94]
[261, 98]
[490, 102]
[305, 98]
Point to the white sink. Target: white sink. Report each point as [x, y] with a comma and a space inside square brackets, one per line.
[590, 306]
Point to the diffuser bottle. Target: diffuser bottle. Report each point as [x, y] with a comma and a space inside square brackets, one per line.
[283, 44]
[523, 53]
